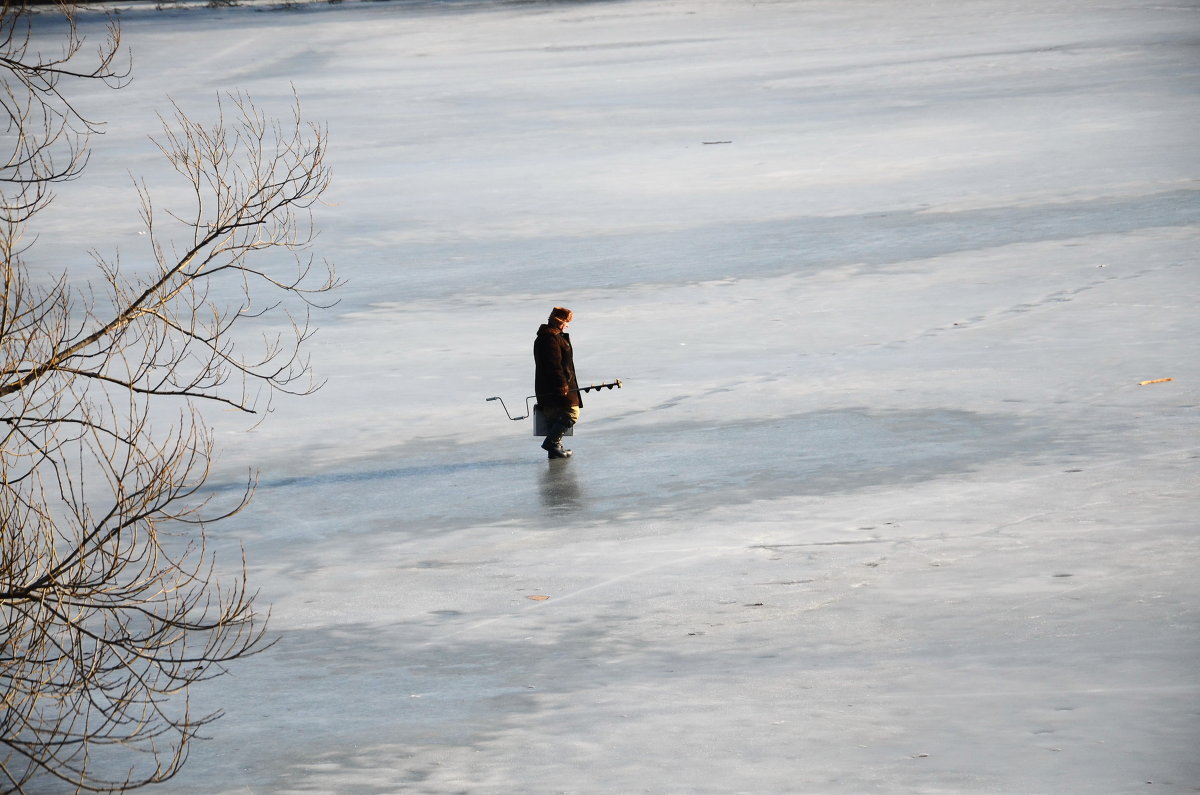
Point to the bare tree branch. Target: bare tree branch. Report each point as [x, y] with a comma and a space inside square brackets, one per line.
[111, 603]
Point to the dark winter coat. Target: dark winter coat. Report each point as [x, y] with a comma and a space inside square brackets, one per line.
[554, 366]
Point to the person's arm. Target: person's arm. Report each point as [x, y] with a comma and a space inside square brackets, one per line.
[549, 362]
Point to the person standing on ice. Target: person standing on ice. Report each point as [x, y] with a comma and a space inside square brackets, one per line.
[554, 381]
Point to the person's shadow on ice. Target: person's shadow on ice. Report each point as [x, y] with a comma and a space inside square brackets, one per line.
[559, 488]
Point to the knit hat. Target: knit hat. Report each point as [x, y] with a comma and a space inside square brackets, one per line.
[560, 315]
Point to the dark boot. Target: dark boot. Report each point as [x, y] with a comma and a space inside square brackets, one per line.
[553, 443]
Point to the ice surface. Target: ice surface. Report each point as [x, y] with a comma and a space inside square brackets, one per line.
[882, 506]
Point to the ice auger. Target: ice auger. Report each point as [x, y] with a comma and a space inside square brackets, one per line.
[593, 387]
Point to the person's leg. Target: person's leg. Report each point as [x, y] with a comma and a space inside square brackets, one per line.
[559, 425]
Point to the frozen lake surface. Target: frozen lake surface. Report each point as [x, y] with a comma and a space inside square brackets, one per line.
[882, 506]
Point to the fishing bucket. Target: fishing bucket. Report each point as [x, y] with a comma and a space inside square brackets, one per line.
[541, 426]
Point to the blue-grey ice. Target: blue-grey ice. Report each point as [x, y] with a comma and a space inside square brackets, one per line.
[883, 505]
